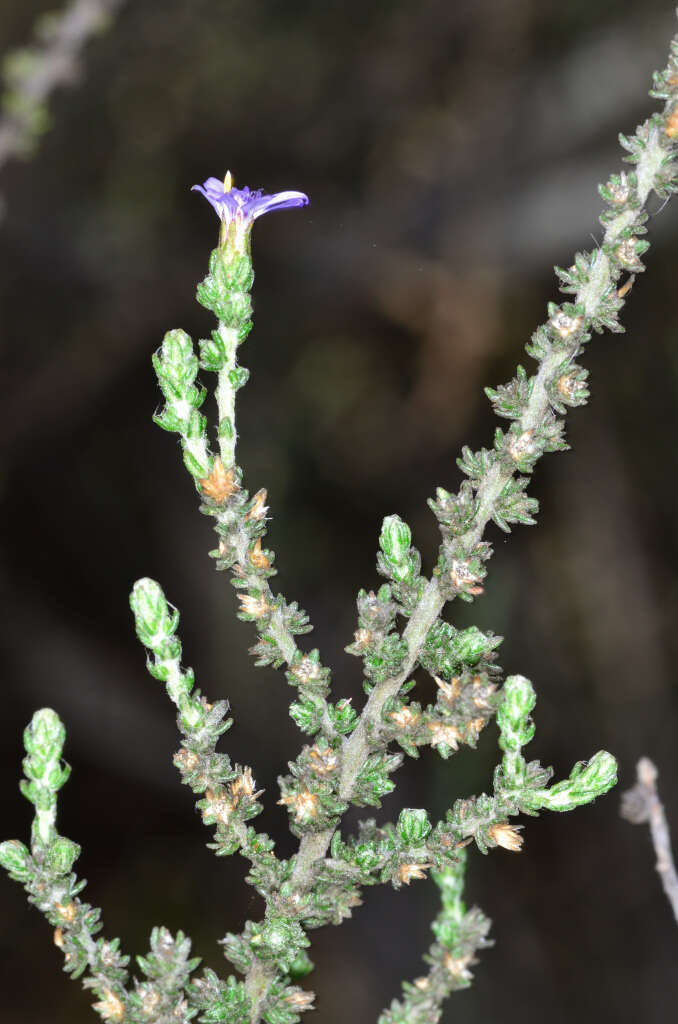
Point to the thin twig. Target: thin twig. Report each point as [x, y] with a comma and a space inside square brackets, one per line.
[641, 804]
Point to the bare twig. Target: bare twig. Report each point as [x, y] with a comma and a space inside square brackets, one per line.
[642, 804]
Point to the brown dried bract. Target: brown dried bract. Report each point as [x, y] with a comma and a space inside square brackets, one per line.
[220, 484]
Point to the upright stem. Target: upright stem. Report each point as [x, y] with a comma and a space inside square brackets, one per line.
[225, 395]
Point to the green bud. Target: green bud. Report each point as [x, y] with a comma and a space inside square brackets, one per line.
[395, 541]
[176, 363]
[44, 739]
[513, 715]
[16, 860]
[395, 538]
[154, 623]
[413, 826]
[61, 855]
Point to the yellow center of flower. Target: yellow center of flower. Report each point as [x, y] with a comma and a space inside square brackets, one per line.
[228, 182]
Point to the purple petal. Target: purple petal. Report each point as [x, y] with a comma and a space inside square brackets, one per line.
[214, 185]
[279, 201]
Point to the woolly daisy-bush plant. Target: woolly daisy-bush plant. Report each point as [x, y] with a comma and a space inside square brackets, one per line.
[349, 756]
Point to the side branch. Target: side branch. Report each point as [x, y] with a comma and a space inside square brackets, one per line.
[641, 805]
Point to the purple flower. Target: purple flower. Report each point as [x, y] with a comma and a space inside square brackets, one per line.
[240, 207]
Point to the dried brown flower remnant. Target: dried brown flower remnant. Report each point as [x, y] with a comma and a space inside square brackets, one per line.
[565, 325]
[451, 690]
[619, 191]
[186, 759]
[244, 785]
[218, 807]
[448, 735]
[672, 123]
[626, 287]
[404, 718]
[474, 728]
[362, 638]
[259, 507]
[59, 938]
[257, 557]
[324, 760]
[300, 1000]
[304, 804]
[107, 954]
[256, 606]
[68, 912]
[149, 1001]
[408, 872]
[567, 385]
[480, 698]
[459, 966]
[462, 577]
[220, 484]
[507, 836]
[305, 670]
[519, 447]
[110, 1007]
[626, 253]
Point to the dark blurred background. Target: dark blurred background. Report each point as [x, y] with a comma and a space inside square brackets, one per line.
[451, 151]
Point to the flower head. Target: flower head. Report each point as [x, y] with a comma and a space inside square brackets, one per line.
[238, 208]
